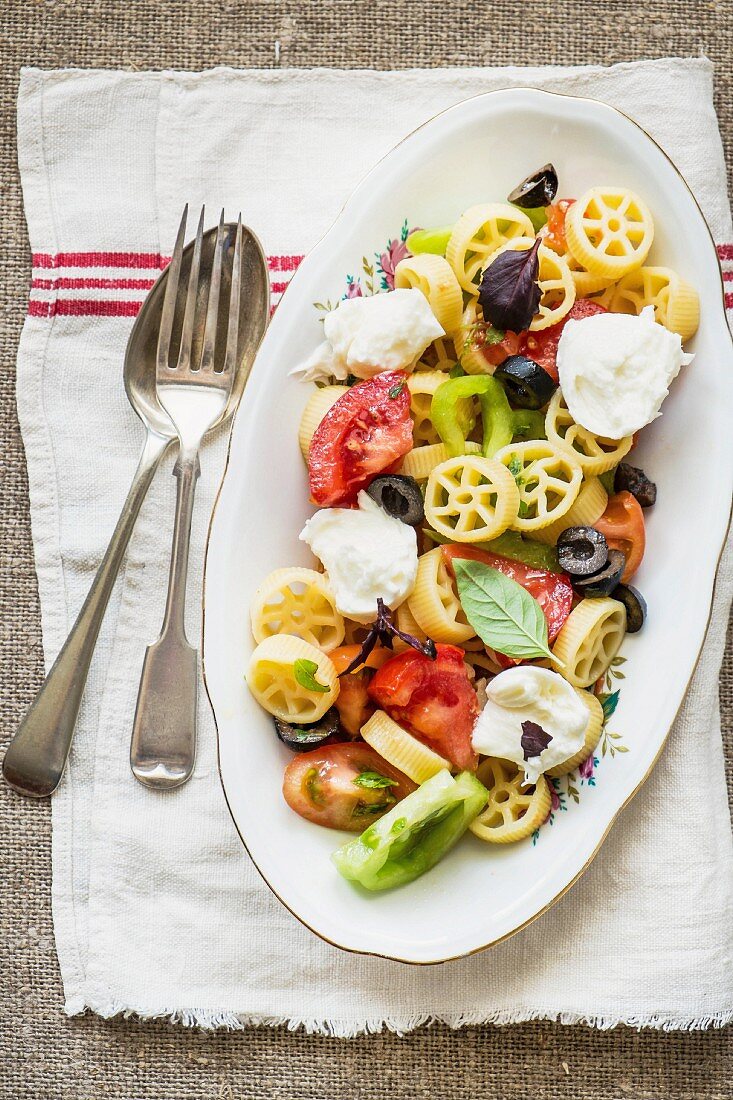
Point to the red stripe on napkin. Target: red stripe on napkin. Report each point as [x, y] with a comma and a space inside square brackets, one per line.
[79, 307]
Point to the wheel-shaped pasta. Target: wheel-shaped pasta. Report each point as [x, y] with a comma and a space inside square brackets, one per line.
[299, 602]
[318, 404]
[513, 811]
[595, 454]
[422, 387]
[589, 505]
[438, 356]
[472, 342]
[676, 302]
[609, 231]
[421, 460]
[434, 601]
[408, 624]
[585, 283]
[471, 498]
[555, 280]
[589, 640]
[272, 679]
[592, 736]
[400, 749]
[547, 479]
[478, 234]
[434, 276]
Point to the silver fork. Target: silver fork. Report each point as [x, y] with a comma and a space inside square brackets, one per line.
[194, 395]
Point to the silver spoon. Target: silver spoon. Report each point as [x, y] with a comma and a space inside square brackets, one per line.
[36, 757]
[196, 383]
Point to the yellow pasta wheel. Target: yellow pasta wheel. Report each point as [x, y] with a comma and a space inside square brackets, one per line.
[300, 602]
[547, 478]
[422, 387]
[589, 640]
[434, 276]
[408, 624]
[434, 602]
[585, 283]
[400, 749]
[592, 736]
[609, 231]
[318, 404]
[589, 505]
[478, 234]
[271, 679]
[554, 278]
[437, 356]
[676, 303]
[469, 342]
[481, 662]
[421, 460]
[513, 812]
[595, 454]
[470, 498]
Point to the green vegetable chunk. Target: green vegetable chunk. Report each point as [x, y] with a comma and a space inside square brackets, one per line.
[415, 834]
[502, 612]
[536, 214]
[430, 240]
[513, 545]
[304, 672]
[497, 417]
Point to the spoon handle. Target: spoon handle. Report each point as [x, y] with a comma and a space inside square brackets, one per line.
[163, 747]
[36, 757]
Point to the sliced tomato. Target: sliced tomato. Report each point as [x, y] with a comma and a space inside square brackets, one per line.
[553, 591]
[343, 655]
[343, 786]
[497, 353]
[432, 699]
[364, 433]
[542, 346]
[353, 704]
[623, 525]
[554, 232]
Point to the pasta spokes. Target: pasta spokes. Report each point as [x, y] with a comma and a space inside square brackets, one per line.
[299, 602]
[470, 498]
[676, 303]
[547, 479]
[272, 680]
[595, 454]
[478, 234]
[513, 811]
[609, 231]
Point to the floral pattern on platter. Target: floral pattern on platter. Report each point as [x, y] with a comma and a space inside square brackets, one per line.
[568, 788]
[377, 276]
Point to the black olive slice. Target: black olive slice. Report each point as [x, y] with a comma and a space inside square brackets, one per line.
[635, 605]
[400, 497]
[633, 480]
[539, 189]
[605, 580]
[582, 551]
[303, 738]
[528, 385]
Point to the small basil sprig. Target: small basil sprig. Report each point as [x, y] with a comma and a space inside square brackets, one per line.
[509, 294]
[304, 672]
[502, 613]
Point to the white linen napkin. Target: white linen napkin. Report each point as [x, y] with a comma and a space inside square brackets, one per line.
[157, 909]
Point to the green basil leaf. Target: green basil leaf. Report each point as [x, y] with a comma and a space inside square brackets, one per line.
[502, 613]
[373, 781]
[305, 673]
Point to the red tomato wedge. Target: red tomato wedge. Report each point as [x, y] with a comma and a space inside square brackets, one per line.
[432, 699]
[554, 232]
[363, 434]
[542, 346]
[497, 353]
[623, 525]
[553, 591]
[343, 786]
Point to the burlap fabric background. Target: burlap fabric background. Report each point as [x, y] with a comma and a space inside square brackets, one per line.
[43, 1054]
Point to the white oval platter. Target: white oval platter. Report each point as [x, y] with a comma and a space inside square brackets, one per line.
[473, 152]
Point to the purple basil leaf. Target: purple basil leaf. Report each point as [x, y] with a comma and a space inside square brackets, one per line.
[509, 293]
[384, 630]
[534, 739]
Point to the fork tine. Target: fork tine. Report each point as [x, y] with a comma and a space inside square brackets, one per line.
[212, 308]
[171, 293]
[230, 359]
[184, 354]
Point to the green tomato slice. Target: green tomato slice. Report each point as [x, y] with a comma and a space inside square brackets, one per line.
[415, 834]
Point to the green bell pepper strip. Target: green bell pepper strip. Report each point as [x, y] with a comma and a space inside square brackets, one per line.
[429, 240]
[512, 544]
[528, 424]
[414, 834]
[496, 415]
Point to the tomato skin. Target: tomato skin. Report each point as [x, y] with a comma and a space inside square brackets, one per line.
[363, 434]
[553, 591]
[554, 233]
[623, 525]
[432, 699]
[319, 785]
[353, 703]
[495, 354]
[542, 346]
[343, 655]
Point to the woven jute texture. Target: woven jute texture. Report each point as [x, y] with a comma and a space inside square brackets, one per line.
[43, 1055]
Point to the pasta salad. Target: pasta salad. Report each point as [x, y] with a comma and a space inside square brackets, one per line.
[478, 525]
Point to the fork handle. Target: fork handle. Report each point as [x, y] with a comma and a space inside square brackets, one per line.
[36, 757]
[163, 747]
